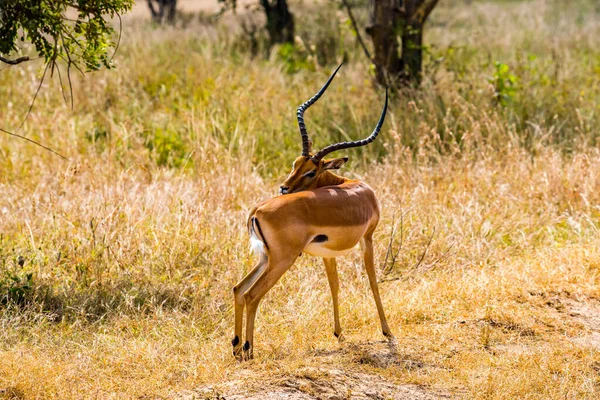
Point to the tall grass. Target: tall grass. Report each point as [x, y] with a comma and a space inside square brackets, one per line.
[116, 268]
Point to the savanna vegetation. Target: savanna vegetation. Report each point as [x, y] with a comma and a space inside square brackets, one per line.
[116, 267]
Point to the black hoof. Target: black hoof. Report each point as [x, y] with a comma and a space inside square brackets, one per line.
[235, 341]
[247, 346]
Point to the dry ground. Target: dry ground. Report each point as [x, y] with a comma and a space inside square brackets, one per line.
[486, 319]
[116, 267]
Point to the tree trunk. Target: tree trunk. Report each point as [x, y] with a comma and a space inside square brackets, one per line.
[412, 53]
[384, 20]
[280, 21]
[163, 10]
[389, 19]
[171, 6]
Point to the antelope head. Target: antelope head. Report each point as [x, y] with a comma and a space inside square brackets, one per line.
[311, 170]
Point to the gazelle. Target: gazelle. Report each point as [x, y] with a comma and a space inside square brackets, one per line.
[319, 213]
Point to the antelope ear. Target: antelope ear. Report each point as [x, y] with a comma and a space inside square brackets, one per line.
[334, 163]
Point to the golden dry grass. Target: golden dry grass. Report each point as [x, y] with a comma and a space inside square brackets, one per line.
[134, 245]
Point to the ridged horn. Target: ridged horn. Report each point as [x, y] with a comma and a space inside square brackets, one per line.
[300, 114]
[358, 143]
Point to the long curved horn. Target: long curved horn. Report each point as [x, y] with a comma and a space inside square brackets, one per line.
[303, 107]
[358, 143]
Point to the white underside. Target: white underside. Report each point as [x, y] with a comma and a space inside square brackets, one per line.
[319, 250]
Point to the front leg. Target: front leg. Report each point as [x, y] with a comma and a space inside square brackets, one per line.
[334, 285]
[367, 245]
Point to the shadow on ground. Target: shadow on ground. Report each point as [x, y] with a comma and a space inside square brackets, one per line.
[329, 381]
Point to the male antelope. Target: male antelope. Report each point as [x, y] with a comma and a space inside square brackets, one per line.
[319, 213]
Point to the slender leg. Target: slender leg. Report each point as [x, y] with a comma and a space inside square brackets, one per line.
[367, 245]
[238, 293]
[274, 270]
[334, 284]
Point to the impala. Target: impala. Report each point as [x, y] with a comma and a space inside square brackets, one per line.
[319, 213]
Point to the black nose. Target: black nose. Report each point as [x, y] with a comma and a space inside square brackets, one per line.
[283, 189]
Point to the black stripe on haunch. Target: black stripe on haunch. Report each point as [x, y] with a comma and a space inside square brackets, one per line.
[262, 237]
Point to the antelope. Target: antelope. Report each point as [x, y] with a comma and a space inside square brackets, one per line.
[319, 213]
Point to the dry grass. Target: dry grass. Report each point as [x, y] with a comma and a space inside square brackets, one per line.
[133, 246]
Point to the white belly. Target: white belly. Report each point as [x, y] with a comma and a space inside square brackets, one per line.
[320, 250]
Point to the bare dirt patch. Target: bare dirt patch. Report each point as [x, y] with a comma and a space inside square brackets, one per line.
[319, 383]
[582, 312]
[588, 314]
[379, 354]
[355, 380]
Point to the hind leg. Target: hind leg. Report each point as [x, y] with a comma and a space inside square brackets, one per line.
[275, 268]
[238, 293]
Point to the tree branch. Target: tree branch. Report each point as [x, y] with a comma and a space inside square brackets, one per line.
[358, 35]
[423, 10]
[15, 61]
[426, 248]
[120, 34]
[34, 142]
[62, 90]
[34, 97]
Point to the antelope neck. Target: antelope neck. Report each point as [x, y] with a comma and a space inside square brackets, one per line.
[328, 178]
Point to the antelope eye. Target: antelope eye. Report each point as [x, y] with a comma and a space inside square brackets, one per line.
[310, 174]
